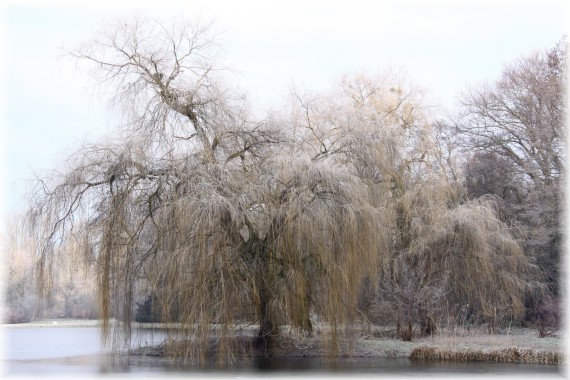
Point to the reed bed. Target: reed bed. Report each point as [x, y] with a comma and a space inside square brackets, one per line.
[517, 346]
[508, 355]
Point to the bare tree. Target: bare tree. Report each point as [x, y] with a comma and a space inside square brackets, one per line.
[520, 120]
[203, 206]
[521, 116]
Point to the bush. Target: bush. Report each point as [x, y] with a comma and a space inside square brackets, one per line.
[17, 315]
[547, 316]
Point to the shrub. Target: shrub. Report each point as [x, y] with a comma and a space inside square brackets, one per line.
[547, 317]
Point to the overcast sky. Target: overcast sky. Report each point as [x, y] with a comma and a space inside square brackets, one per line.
[47, 107]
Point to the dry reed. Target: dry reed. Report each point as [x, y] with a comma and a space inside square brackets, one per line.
[503, 355]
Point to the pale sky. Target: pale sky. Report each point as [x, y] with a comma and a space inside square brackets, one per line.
[47, 107]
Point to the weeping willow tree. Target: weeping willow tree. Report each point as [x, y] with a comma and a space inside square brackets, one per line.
[442, 250]
[194, 201]
[455, 256]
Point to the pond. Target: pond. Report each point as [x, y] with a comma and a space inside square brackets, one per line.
[75, 351]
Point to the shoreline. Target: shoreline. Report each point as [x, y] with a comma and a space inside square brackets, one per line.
[53, 323]
[519, 346]
[522, 347]
[418, 351]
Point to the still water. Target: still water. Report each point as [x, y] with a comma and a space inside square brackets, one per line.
[76, 351]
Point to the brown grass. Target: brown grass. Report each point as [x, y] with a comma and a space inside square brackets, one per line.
[509, 355]
[518, 346]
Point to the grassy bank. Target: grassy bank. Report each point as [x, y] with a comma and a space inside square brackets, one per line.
[520, 346]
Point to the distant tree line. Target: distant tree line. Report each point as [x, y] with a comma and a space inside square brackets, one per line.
[515, 130]
[68, 293]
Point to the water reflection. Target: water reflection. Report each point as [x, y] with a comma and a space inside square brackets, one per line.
[40, 351]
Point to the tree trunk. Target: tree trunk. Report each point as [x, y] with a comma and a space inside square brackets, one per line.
[268, 329]
[404, 332]
[265, 341]
[304, 319]
[306, 325]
